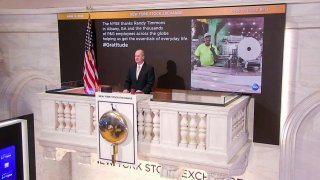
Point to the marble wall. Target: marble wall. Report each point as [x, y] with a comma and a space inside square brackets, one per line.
[29, 62]
[306, 142]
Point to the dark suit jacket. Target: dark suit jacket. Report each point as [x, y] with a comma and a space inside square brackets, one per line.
[145, 80]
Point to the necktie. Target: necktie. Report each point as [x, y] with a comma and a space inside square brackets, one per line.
[138, 71]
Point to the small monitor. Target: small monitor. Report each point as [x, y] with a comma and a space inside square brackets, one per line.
[8, 167]
[14, 160]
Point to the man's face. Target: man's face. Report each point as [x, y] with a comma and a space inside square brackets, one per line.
[139, 57]
[207, 40]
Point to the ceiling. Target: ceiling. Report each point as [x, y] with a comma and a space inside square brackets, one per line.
[37, 4]
[128, 4]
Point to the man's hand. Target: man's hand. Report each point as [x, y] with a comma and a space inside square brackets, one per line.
[125, 91]
[138, 91]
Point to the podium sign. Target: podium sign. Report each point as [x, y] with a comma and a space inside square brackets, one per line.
[125, 105]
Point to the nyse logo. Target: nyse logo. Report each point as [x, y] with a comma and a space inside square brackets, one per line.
[255, 86]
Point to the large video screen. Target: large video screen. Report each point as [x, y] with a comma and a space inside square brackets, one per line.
[216, 49]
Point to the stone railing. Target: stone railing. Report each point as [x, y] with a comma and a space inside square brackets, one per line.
[68, 124]
[175, 135]
[201, 136]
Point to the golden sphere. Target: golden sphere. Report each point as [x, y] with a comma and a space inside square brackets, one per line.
[113, 127]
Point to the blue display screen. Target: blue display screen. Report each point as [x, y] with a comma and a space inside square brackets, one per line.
[8, 163]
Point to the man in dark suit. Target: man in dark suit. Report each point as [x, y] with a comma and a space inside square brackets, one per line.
[140, 78]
